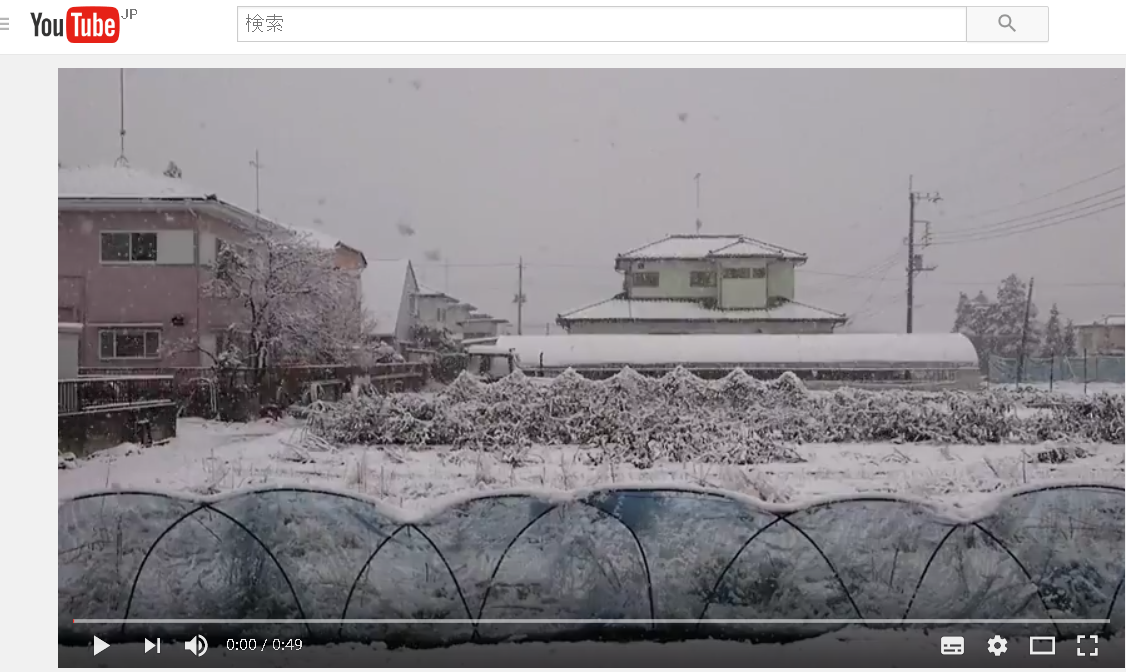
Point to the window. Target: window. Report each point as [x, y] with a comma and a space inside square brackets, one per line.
[758, 273]
[129, 343]
[646, 279]
[702, 279]
[736, 274]
[121, 247]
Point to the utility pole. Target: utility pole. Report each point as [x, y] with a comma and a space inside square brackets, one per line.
[1024, 331]
[446, 276]
[257, 165]
[699, 222]
[915, 264]
[520, 298]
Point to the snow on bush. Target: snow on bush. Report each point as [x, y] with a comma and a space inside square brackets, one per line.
[681, 417]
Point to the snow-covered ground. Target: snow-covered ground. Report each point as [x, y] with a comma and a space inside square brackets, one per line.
[1074, 389]
[211, 457]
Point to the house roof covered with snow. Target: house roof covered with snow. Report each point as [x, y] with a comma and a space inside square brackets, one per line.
[386, 284]
[857, 350]
[484, 317]
[1106, 321]
[657, 310]
[430, 292]
[710, 246]
[122, 183]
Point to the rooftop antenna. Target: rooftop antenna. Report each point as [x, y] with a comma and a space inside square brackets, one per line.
[699, 222]
[121, 160]
[257, 166]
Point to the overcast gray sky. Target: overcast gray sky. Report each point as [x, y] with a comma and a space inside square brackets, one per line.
[569, 167]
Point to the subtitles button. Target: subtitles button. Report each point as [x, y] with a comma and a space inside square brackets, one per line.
[952, 646]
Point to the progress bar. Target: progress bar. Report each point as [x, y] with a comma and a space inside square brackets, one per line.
[594, 621]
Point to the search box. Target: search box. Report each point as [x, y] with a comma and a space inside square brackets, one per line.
[610, 24]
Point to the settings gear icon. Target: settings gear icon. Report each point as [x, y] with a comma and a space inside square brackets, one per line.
[998, 645]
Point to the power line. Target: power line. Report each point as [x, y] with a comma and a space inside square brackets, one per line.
[875, 287]
[1000, 224]
[1023, 228]
[1042, 196]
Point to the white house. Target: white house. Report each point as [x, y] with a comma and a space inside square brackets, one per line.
[481, 325]
[1104, 336]
[390, 298]
[433, 307]
[704, 284]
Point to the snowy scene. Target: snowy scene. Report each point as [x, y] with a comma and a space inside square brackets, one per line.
[589, 371]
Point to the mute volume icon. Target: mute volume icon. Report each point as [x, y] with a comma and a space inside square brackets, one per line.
[197, 645]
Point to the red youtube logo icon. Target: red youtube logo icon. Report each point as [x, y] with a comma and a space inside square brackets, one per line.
[92, 25]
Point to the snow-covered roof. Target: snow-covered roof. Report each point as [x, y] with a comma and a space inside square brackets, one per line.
[820, 349]
[482, 317]
[123, 182]
[430, 292]
[658, 310]
[384, 283]
[699, 246]
[1107, 321]
[316, 237]
[130, 184]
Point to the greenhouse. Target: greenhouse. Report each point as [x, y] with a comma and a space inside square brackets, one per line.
[940, 359]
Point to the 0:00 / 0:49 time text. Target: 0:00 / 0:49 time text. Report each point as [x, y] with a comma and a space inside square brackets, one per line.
[250, 644]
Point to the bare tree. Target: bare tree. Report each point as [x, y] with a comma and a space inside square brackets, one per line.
[297, 305]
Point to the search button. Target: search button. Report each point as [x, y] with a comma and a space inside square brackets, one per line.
[1007, 24]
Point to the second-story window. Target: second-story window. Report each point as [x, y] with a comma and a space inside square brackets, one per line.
[125, 247]
[743, 273]
[646, 279]
[758, 273]
[702, 279]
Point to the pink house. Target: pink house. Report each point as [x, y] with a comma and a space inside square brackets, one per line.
[134, 252]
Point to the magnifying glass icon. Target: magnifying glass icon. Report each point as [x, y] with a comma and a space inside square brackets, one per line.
[1006, 21]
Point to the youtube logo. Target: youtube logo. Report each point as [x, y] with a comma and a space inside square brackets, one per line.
[82, 25]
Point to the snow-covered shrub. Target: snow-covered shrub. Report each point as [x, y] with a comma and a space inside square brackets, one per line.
[681, 417]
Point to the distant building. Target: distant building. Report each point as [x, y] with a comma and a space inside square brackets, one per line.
[390, 298]
[135, 249]
[481, 325]
[704, 284]
[1103, 336]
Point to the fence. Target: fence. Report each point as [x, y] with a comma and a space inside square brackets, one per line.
[194, 387]
[621, 562]
[1037, 370]
[101, 411]
[109, 393]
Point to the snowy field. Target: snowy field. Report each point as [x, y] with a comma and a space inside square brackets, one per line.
[1074, 389]
[212, 457]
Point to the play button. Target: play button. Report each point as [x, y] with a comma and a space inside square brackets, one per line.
[99, 646]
